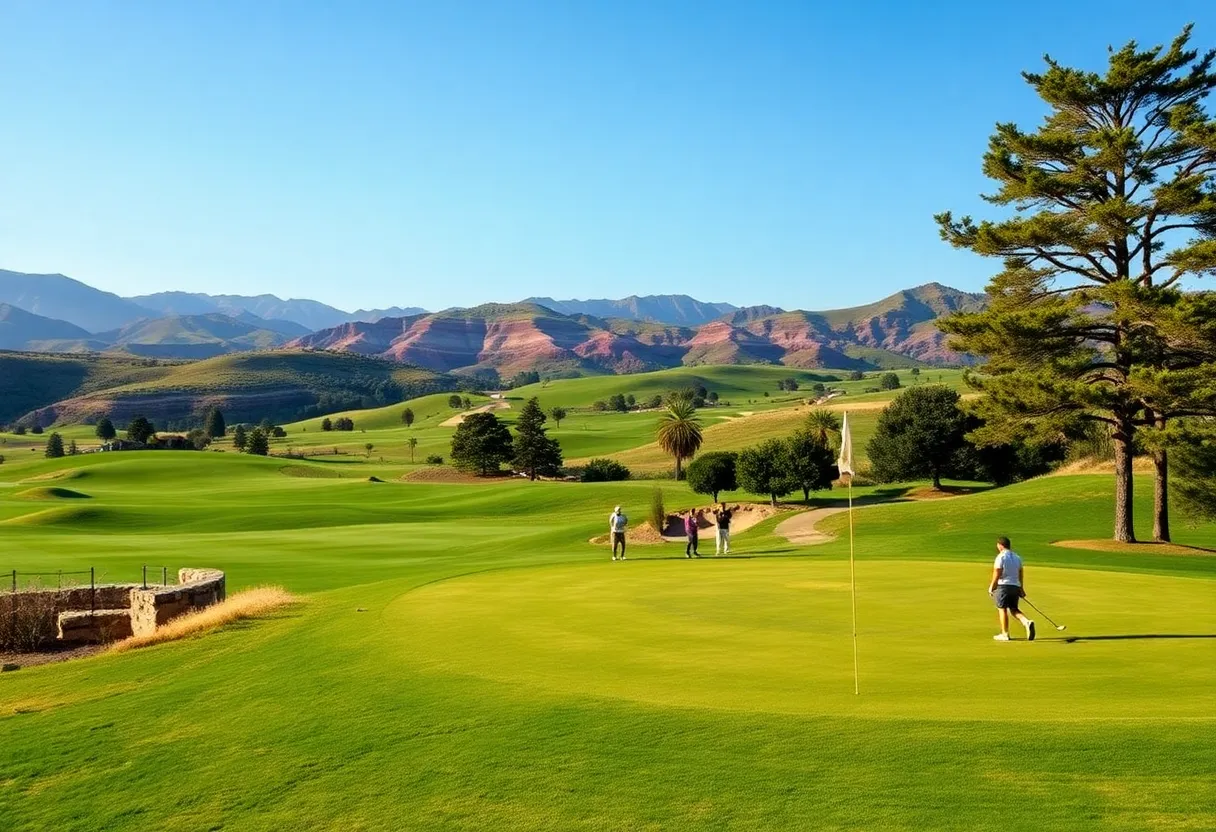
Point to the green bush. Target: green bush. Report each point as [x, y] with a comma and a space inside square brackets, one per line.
[604, 470]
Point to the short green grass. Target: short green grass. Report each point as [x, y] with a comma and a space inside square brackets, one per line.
[464, 659]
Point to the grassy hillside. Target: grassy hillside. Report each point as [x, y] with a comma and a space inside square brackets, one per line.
[248, 386]
[464, 659]
[34, 380]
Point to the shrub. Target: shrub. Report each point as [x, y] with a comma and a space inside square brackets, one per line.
[327, 424]
[278, 432]
[36, 429]
[658, 512]
[19, 430]
[434, 459]
[889, 381]
[856, 375]
[604, 470]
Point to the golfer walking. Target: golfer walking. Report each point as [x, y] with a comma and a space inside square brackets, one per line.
[1007, 587]
[690, 529]
[722, 517]
[617, 521]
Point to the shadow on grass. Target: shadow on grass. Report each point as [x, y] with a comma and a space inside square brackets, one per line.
[1136, 637]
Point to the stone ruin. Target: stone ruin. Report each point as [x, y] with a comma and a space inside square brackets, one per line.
[110, 612]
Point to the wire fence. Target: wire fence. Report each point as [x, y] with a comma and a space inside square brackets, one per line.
[27, 580]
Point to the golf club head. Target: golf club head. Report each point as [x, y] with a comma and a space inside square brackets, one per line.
[1061, 627]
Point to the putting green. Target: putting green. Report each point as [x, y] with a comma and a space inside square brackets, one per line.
[770, 635]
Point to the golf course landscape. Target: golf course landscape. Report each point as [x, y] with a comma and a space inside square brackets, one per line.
[459, 656]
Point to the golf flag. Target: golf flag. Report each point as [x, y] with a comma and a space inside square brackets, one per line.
[845, 462]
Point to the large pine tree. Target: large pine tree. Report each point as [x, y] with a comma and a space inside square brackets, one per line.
[1115, 206]
[215, 426]
[535, 453]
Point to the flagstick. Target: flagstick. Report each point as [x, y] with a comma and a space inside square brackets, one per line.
[853, 590]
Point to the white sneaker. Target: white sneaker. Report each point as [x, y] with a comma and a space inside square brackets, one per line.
[614, 557]
[1001, 637]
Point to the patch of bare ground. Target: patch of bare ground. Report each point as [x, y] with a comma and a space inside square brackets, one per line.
[743, 517]
[57, 653]
[446, 473]
[1140, 465]
[485, 408]
[252, 603]
[944, 492]
[1149, 548]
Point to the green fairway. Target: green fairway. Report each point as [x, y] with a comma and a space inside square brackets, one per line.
[463, 658]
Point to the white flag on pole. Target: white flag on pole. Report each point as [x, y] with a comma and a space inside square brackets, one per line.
[845, 462]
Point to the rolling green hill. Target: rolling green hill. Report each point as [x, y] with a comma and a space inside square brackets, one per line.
[280, 385]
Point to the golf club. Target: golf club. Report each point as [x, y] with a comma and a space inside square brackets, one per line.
[1045, 615]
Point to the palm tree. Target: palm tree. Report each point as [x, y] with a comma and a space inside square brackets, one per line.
[823, 425]
[679, 432]
[413, 443]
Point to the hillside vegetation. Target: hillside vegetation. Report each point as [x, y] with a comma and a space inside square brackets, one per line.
[280, 385]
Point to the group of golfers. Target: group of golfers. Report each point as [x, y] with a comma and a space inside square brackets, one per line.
[1007, 585]
[691, 520]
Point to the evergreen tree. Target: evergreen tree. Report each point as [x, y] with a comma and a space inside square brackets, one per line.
[239, 439]
[481, 444]
[712, 473]
[36, 429]
[1115, 202]
[140, 429]
[327, 424]
[105, 429]
[214, 424]
[918, 435]
[766, 469]
[73, 449]
[259, 442]
[54, 446]
[407, 417]
[535, 453]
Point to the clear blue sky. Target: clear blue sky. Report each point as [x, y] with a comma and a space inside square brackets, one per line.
[448, 153]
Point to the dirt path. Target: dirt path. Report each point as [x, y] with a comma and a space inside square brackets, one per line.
[485, 408]
[800, 529]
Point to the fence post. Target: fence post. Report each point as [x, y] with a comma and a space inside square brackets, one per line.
[14, 581]
[145, 576]
[164, 576]
[92, 591]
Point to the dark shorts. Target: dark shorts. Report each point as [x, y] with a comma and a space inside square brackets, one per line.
[1007, 597]
[618, 537]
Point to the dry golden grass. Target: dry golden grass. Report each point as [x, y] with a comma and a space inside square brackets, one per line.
[1143, 548]
[252, 603]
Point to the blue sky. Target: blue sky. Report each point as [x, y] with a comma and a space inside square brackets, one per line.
[447, 153]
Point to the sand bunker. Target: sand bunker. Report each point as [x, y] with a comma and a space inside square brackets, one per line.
[745, 516]
[800, 529]
[485, 408]
[446, 473]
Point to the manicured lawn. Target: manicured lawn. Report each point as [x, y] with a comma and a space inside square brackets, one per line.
[464, 659]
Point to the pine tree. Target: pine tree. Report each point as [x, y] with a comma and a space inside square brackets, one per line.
[535, 453]
[1115, 204]
[73, 449]
[259, 442]
[481, 444]
[214, 424]
[54, 446]
[239, 438]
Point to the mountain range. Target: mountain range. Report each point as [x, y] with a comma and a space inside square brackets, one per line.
[54, 313]
[896, 331]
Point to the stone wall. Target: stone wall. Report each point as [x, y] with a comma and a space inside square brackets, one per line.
[154, 606]
[37, 618]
